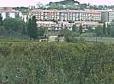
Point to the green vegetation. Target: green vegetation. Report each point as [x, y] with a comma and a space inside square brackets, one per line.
[102, 33]
[56, 63]
[99, 31]
[33, 31]
[73, 5]
[65, 4]
[16, 25]
[105, 31]
[16, 28]
[24, 10]
[1, 20]
[32, 28]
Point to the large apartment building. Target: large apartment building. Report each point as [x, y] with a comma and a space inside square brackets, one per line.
[58, 19]
[67, 18]
[66, 15]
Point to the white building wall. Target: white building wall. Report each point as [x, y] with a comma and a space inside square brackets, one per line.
[20, 14]
[12, 15]
[3, 15]
[25, 18]
[111, 16]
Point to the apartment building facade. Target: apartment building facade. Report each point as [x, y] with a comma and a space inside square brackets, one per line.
[58, 19]
[66, 15]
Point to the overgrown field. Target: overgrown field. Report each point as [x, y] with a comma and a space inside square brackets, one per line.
[56, 63]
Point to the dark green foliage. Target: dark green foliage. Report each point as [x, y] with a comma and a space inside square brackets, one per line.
[53, 63]
[99, 31]
[65, 4]
[13, 28]
[74, 28]
[80, 29]
[32, 28]
[14, 24]
[41, 31]
[109, 30]
[104, 29]
[70, 36]
[1, 21]
[33, 31]
[67, 34]
[112, 31]
[29, 28]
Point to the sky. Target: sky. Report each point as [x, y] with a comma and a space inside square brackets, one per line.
[15, 3]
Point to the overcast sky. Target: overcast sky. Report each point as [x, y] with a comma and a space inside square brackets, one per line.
[33, 2]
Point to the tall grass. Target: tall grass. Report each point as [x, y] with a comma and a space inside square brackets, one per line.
[56, 63]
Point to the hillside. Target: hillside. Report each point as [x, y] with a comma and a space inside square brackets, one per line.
[66, 4]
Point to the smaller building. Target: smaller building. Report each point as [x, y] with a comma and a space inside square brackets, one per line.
[58, 38]
[107, 15]
[7, 12]
[52, 38]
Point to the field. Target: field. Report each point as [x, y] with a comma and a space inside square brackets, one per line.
[107, 40]
[56, 63]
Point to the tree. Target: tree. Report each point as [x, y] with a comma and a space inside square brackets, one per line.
[32, 28]
[14, 25]
[74, 28]
[41, 31]
[1, 22]
[108, 30]
[80, 29]
[75, 31]
[99, 31]
[40, 6]
[104, 30]
[69, 35]
[13, 28]
[29, 28]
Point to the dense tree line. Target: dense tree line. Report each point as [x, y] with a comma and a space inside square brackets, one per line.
[72, 4]
[56, 63]
[12, 27]
[33, 31]
[16, 27]
[106, 30]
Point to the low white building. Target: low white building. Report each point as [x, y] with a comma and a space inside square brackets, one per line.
[9, 12]
[55, 26]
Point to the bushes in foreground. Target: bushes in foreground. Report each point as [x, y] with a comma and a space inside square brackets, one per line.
[56, 63]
